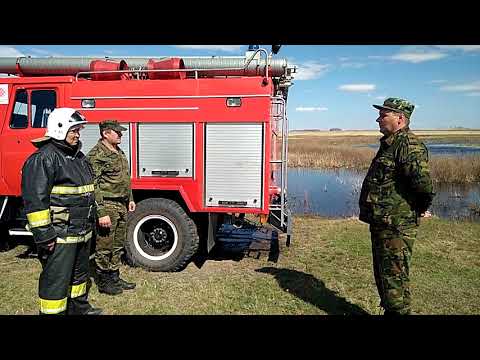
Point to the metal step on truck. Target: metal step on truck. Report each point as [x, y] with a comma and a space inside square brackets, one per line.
[207, 143]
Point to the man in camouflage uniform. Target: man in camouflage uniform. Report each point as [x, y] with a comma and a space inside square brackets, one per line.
[113, 195]
[396, 192]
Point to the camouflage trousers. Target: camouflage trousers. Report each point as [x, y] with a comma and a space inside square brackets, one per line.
[110, 241]
[392, 255]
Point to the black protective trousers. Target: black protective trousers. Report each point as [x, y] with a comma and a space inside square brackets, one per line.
[62, 285]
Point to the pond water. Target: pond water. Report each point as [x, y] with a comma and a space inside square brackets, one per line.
[335, 194]
[443, 149]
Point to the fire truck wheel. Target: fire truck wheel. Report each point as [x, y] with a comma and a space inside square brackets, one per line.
[160, 236]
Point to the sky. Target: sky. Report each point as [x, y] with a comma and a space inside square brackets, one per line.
[336, 85]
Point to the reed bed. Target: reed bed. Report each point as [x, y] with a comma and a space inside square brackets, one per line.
[345, 152]
[331, 157]
[464, 169]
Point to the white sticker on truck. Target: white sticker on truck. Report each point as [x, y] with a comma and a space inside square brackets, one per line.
[3, 94]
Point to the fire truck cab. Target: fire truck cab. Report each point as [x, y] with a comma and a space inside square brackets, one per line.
[206, 142]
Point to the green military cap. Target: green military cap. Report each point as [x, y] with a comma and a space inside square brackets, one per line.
[397, 105]
[111, 124]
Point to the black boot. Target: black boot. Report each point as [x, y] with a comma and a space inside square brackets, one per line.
[81, 306]
[125, 285]
[106, 284]
[94, 311]
[84, 309]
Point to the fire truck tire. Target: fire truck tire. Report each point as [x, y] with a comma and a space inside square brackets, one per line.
[160, 236]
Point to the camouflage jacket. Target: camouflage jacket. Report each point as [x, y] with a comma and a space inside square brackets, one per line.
[112, 175]
[398, 186]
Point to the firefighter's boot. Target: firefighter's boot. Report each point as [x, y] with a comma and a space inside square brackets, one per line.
[94, 311]
[125, 285]
[106, 284]
[81, 306]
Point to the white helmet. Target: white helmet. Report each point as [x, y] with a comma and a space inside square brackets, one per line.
[61, 120]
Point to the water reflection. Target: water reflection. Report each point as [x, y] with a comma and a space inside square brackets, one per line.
[335, 193]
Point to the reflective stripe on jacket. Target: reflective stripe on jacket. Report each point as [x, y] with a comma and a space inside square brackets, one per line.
[58, 192]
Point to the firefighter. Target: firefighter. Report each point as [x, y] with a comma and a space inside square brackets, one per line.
[59, 200]
[114, 199]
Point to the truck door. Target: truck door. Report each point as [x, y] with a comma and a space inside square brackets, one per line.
[27, 120]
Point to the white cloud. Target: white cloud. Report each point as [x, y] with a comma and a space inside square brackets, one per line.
[310, 70]
[438, 81]
[357, 87]
[43, 52]
[355, 65]
[421, 53]
[8, 51]
[470, 87]
[380, 97]
[473, 94]
[301, 108]
[418, 57]
[377, 57]
[226, 48]
[343, 58]
[466, 48]
[414, 54]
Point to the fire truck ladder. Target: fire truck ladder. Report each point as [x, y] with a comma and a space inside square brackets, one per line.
[280, 214]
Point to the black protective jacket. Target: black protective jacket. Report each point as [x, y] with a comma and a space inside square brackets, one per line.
[58, 193]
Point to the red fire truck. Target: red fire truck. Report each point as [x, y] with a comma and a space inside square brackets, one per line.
[206, 142]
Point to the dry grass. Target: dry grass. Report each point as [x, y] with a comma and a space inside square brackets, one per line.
[335, 151]
[464, 169]
[329, 157]
[373, 133]
[327, 270]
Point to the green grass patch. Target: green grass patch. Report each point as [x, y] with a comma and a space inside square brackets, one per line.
[327, 270]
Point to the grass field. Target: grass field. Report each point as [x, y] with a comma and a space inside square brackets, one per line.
[327, 270]
[343, 149]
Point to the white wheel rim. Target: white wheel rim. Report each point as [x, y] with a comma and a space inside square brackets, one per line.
[137, 245]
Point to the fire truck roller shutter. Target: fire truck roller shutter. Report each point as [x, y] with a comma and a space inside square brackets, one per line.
[234, 165]
[160, 236]
[165, 149]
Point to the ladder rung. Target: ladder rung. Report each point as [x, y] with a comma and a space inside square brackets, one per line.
[275, 161]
